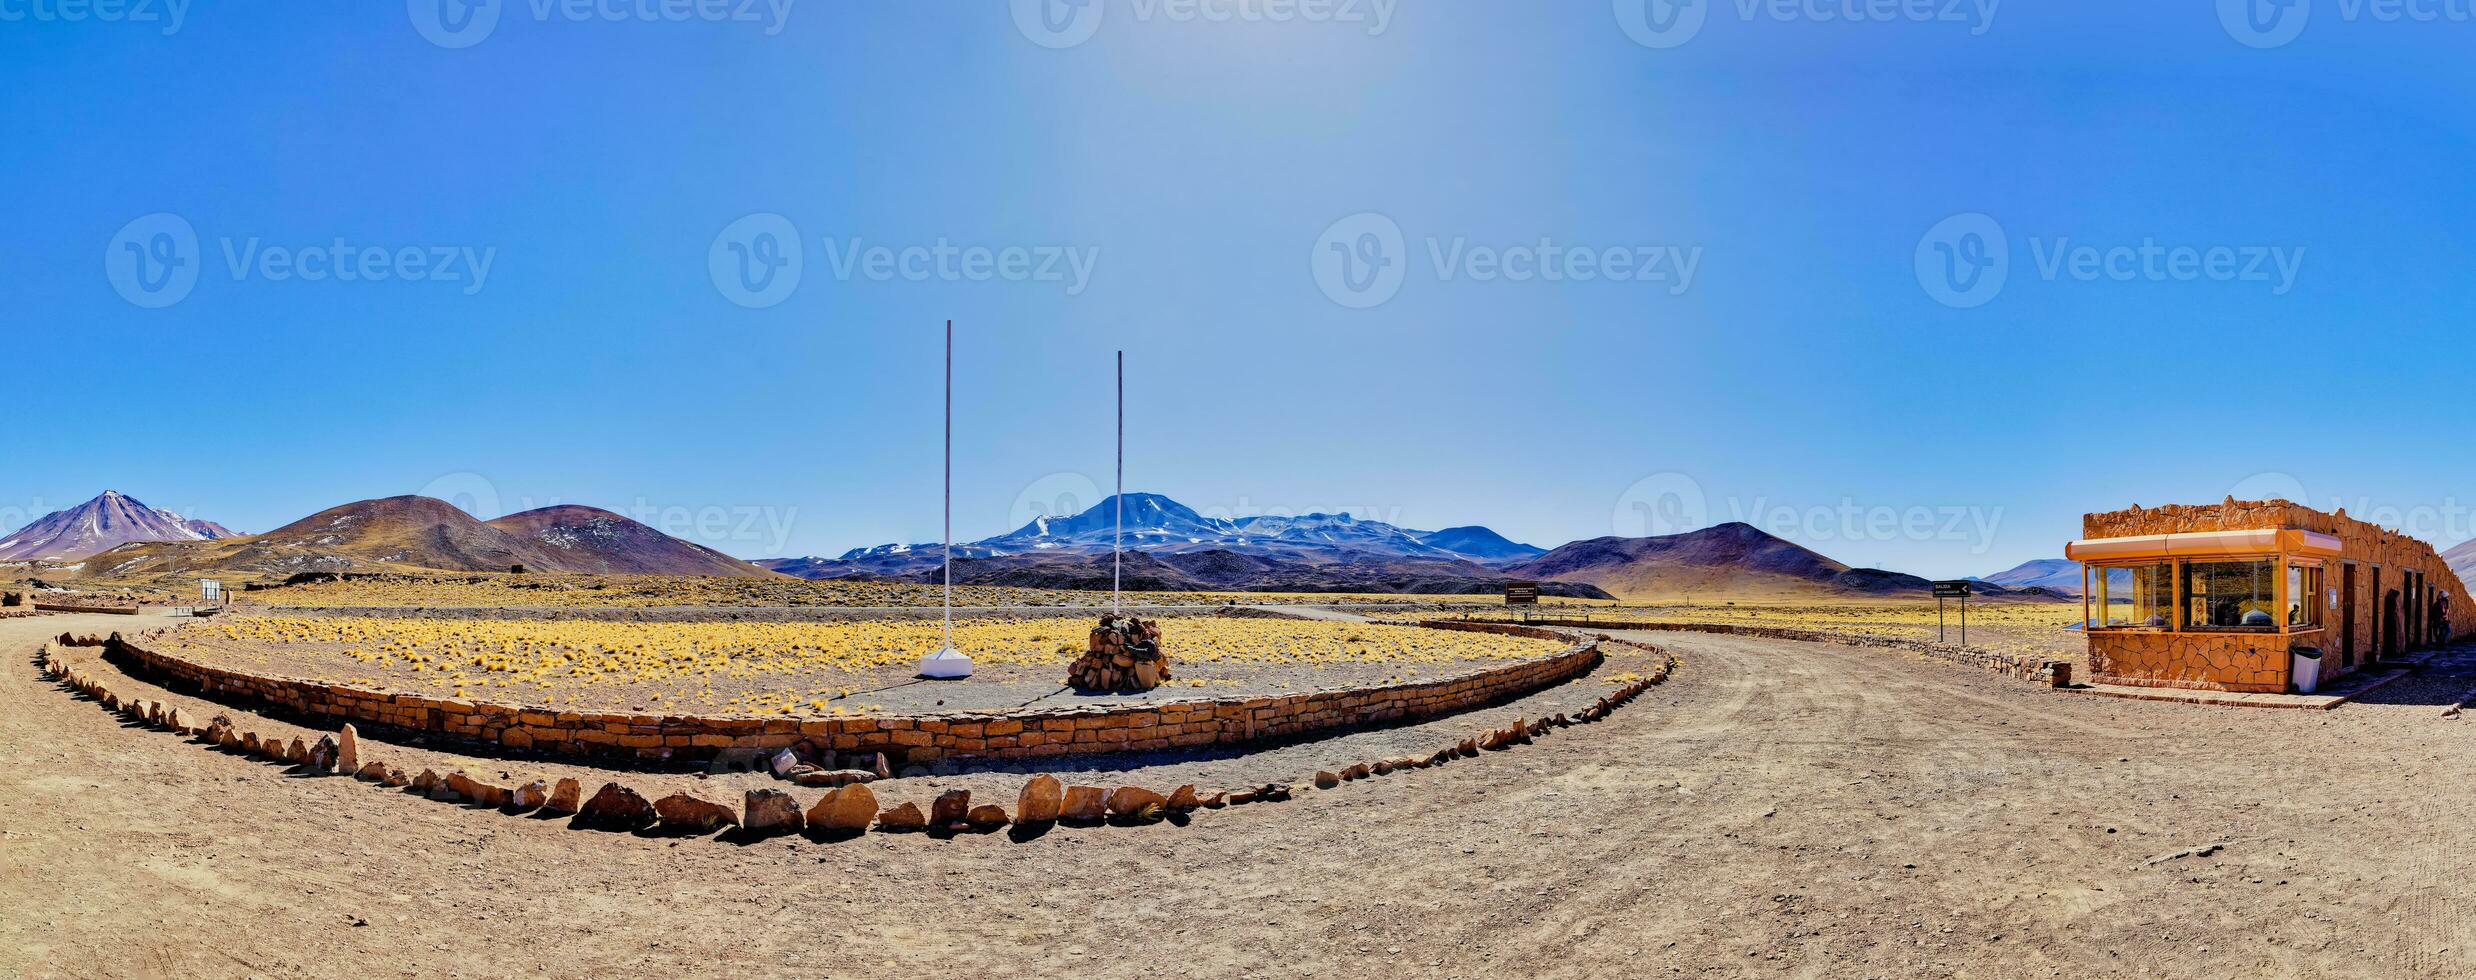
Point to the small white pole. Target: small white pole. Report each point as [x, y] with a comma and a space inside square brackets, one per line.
[1117, 551]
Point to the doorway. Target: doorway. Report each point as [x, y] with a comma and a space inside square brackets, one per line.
[2390, 625]
[2347, 618]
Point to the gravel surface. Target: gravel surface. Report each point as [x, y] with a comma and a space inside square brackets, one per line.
[1776, 809]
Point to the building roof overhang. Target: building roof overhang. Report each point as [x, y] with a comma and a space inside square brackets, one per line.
[2207, 544]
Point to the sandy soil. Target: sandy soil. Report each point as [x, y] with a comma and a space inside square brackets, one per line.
[1776, 809]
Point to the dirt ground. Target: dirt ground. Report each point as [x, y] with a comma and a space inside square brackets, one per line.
[1777, 809]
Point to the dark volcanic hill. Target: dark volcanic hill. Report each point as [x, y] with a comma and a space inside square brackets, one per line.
[415, 533]
[99, 525]
[1729, 559]
[1482, 545]
[587, 539]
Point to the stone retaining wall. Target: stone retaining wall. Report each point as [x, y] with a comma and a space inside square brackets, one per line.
[2039, 670]
[89, 610]
[905, 740]
[845, 813]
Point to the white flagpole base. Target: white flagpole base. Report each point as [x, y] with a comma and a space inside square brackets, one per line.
[948, 664]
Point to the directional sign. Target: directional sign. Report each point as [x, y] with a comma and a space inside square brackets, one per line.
[1953, 590]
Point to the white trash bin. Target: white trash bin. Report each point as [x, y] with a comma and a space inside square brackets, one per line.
[2307, 669]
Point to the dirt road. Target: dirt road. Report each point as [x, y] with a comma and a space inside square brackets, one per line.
[1776, 809]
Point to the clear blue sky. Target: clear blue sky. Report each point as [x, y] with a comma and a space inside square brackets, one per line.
[1199, 162]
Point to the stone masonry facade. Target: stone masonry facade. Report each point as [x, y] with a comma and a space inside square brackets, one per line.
[2262, 662]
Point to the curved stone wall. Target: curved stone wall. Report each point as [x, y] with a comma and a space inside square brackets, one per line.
[2043, 671]
[904, 740]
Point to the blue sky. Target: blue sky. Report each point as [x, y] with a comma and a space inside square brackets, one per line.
[2306, 198]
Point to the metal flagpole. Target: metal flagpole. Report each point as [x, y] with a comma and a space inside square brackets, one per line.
[1117, 551]
[948, 663]
[949, 485]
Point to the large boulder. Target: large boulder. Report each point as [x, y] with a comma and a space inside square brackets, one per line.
[479, 793]
[772, 811]
[901, 819]
[617, 808]
[1136, 801]
[688, 813]
[1043, 801]
[850, 808]
[564, 797]
[951, 807]
[348, 749]
[1084, 803]
[986, 817]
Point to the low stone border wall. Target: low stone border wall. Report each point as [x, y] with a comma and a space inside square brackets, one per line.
[2039, 670]
[845, 812]
[906, 741]
[815, 614]
[88, 610]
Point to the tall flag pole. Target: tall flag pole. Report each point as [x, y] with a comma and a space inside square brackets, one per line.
[1117, 552]
[948, 663]
[949, 485]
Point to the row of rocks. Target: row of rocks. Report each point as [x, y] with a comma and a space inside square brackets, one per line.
[89, 640]
[852, 807]
[1521, 732]
[2043, 671]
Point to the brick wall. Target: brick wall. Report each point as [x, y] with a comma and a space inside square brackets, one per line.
[908, 740]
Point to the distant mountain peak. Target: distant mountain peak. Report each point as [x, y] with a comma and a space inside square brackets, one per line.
[110, 520]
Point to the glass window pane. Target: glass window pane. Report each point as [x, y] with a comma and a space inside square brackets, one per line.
[2305, 601]
[2231, 595]
[2132, 597]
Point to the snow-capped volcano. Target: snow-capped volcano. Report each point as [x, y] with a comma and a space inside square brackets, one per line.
[1159, 525]
[99, 525]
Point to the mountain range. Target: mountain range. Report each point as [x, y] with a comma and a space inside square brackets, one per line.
[1169, 547]
[101, 524]
[419, 533]
[2061, 576]
[1160, 526]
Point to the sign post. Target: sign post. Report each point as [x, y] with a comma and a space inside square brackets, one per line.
[1522, 594]
[1952, 590]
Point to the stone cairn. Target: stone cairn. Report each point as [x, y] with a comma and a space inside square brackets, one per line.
[1124, 657]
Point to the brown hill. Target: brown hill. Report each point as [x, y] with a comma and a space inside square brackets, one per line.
[1730, 559]
[419, 533]
[587, 539]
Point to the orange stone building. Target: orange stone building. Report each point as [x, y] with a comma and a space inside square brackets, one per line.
[2218, 598]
